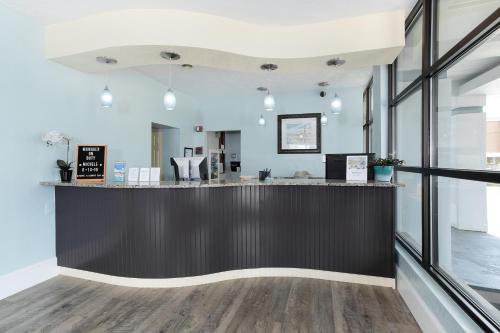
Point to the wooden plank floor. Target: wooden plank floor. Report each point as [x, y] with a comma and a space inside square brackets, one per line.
[65, 304]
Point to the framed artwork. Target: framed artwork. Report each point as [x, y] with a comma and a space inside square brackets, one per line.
[299, 133]
[199, 150]
[188, 152]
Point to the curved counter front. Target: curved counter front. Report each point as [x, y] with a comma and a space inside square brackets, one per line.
[193, 229]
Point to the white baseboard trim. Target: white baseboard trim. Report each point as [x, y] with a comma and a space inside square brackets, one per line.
[432, 308]
[27, 277]
[228, 275]
[421, 312]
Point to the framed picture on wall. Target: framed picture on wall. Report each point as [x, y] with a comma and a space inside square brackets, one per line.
[188, 152]
[299, 133]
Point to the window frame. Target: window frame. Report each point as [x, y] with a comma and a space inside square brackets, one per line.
[432, 65]
[368, 120]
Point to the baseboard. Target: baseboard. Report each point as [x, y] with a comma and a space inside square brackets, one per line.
[420, 311]
[431, 307]
[229, 275]
[27, 277]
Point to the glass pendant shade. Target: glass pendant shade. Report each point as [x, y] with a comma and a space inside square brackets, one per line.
[169, 100]
[336, 105]
[262, 121]
[269, 102]
[324, 119]
[106, 98]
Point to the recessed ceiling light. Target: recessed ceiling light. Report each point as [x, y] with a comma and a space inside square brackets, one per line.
[261, 88]
[337, 62]
[323, 84]
[170, 55]
[106, 60]
[188, 66]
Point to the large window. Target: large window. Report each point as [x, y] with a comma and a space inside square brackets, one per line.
[467, 217]
[409, 65]
[409, 130]
[457, 18]
[409, 208]
[368, 117]
[445, 124]
[467, 110]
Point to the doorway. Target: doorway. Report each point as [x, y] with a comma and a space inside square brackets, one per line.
[227, 146]
[165, 143]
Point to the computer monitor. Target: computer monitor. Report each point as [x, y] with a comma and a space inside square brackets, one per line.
[198, 168]
[181, 167]
[189, 168]
[335, 167]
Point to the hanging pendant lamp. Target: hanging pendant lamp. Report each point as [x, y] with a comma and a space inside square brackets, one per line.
[269, 101]
[169, 99]
[106, 96]
[262, 121]
[336, 104]
[324, 119]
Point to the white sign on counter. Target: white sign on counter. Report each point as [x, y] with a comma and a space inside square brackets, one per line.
[357, 168]
[133, 175]
[144, 175]
[155, 175]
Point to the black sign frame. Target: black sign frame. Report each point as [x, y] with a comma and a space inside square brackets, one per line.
[84, 152]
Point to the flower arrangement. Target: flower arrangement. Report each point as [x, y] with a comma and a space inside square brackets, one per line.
[384, 168]
[387, 162]
[64, 166]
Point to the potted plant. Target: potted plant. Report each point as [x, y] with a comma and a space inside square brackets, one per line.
[65, 170]
[384, 168]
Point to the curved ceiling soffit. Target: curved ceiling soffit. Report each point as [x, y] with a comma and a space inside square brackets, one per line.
[136, 37]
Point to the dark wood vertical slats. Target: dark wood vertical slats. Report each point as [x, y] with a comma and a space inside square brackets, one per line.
[166, 233]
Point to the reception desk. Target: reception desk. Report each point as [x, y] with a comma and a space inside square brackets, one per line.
[182, 233]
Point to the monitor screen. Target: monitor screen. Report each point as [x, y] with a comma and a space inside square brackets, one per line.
[198, 168]
[183, 166]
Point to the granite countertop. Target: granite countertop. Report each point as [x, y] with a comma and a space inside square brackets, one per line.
[225, 183]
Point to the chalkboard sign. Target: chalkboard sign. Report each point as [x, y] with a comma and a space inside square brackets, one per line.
[91, 163]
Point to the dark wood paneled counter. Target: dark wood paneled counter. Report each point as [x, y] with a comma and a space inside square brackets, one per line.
[171, 230]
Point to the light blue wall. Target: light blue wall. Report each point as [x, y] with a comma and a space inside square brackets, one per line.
[343, 134]
[37, 96]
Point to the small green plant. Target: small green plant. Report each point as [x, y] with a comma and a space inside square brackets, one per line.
[64, 165]
[386, 162]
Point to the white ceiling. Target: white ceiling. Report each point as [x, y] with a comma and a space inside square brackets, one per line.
[204, 81]
[268, 12]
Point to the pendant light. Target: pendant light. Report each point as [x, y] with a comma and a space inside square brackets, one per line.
[336, 104]
[169, 99]
[262, 121]
[106, 96]
[269, 102]
[324, 119]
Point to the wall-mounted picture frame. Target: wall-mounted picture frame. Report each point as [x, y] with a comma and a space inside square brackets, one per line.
[299, 133]
[188, 152]
[199, 150]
